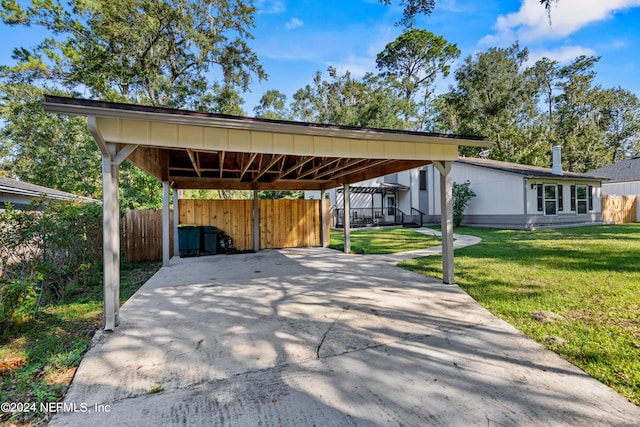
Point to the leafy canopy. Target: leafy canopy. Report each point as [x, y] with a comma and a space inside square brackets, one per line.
[143, 51]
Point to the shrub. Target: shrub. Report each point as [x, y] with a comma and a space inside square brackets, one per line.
[462, 194]
[42, 252]
[17, 302]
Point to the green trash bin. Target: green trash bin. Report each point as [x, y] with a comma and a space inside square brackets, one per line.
[188, 240]
[209, 240]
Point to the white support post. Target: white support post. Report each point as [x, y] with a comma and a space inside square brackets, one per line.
[111, 159]
[107, 227]
[176, 222]
[115, 236]
[323, 219]
[256, 221]
[347, 218]
[166, 226]
[111, 237]
[446, 220]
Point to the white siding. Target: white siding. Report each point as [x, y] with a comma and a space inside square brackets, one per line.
[621, 188]
[497, 193]
[630, 188]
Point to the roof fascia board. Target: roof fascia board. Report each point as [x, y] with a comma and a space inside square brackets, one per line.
[262, 126]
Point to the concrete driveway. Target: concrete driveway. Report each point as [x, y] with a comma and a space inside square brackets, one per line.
[314, 337]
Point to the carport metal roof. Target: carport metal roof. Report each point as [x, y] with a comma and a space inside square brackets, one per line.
[189, 149]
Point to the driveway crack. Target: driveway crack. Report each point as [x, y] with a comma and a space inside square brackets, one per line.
[324, 336]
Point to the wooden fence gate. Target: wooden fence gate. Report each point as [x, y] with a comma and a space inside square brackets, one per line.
[619, 209]
[283, 224]
[142, 240]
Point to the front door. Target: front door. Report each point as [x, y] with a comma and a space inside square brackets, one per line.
[390, 208]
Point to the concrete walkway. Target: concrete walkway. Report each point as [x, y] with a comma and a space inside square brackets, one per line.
[303, 337]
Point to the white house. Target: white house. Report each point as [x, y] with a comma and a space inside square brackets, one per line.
[624, 179]
[508, 195]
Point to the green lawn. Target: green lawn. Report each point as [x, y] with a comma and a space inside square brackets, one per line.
[383, 240]
[38, 358]
[588, 275]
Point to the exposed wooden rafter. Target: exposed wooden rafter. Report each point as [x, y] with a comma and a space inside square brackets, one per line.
[194, 161]
[324, 164]
[246, 167]
[347, 171]
[344, 165]
[303, 161]
[274, 160]
[221, 158]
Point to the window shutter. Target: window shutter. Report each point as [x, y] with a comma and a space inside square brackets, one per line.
[590, 196]
[423, 180]
[573, 198]
[540, 199]
[560, 198]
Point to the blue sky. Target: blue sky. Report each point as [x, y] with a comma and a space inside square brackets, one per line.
[296, 38]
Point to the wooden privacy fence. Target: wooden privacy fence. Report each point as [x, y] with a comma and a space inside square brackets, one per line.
[143, 235]
[284, 223]
[619, 209]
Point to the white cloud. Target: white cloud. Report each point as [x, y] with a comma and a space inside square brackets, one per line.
[531, 22]
[563, 55]
[358, 66]
[270, 7]
[294, 23]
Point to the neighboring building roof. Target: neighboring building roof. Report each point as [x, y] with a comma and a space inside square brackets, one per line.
[525, 170]
[13, 186]
[623, 171]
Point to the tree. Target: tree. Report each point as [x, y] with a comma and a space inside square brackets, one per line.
[412, 8]
[142, 51]
[50, 150]
[272, 106]
[370, 102]
[145, 51]
[494, 98]
[580, 124]
[416, 58]
[622, 115]
[281, 194]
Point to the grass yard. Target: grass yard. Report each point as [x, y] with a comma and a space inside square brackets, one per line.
[590, 276]
[383, 240]
[38, 358]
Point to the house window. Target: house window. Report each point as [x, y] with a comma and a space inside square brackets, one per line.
[560, 198]
[423, 180]
[540, 198]
[582, 201]
[550, 201]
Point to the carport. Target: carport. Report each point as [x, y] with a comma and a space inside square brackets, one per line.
[194, 150]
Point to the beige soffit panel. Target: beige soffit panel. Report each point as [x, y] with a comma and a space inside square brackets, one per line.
[193, 137]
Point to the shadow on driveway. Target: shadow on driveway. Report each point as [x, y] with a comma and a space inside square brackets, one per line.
[302, 337]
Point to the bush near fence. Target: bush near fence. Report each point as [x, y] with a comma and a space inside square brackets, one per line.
[42, 253]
